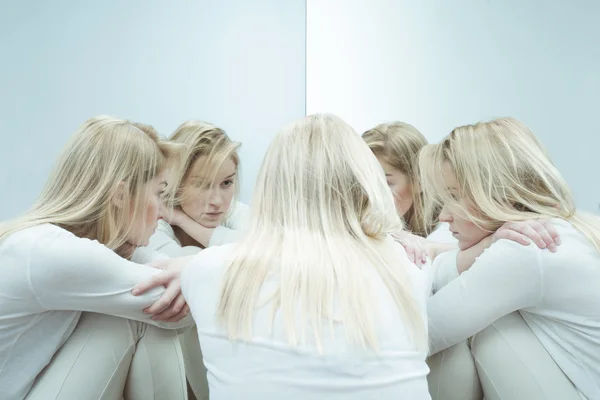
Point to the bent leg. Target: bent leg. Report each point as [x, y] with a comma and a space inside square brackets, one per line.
[97, 359]
[453, 375]
[513, 364]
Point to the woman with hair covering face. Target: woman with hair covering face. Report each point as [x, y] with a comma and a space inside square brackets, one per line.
[533, 315]
[396, 146]
[70, 327]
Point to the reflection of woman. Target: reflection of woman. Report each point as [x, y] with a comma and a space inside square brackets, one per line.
[535, 314]
[318, 301]
[396, 146]
[206, 214]
[69, 254]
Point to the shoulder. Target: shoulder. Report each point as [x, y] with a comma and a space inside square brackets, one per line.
[47, 239]
[208, 263]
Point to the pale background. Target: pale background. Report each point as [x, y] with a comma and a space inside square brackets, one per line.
[438, 64]
[253, 66]
[236, 63]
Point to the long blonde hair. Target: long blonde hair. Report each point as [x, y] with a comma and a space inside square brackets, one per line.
[504, 174]
[206, 141]
[399, 144]
[79, 194]
[320, 218]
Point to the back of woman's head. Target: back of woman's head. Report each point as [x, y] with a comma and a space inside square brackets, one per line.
[321, 213]
[398, 144]
[503, 174]
[207, 147]
[97, 186]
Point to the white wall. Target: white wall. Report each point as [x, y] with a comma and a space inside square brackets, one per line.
[438, 64]
[236, 63]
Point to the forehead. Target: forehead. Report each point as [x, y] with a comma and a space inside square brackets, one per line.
[387, 167]
[448, 175]
[201, 169]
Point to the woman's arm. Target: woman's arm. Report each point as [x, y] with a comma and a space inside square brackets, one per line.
[71, 273]
[505, 278]
[541, 232]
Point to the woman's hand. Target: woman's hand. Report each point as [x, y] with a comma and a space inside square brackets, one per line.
[414, 245]
[540, 231]
[178, 217]
[171, 306]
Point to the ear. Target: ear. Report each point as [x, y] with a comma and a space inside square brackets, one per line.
[118, 197]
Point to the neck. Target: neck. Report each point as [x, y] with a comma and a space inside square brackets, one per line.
[184, 238]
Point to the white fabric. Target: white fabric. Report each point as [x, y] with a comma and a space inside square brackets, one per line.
[48, 276]
[165, 241]
[268, 368]
[557, 294]
[442, 234]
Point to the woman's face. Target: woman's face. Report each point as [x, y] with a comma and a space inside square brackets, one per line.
[400, 186]
[462, 228]
[208, 204]
[147, 209]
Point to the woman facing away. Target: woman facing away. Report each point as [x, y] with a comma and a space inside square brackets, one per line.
[206, 214]
[534, 315]
[318, 301]
[70, 327]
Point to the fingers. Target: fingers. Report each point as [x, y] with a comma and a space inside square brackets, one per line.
[182, 314]
[171, 292]
[173, 311]
[513, 236]
[159, 279]
[551, 231]
[541, 232]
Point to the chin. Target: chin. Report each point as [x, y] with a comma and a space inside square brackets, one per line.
[210, 224]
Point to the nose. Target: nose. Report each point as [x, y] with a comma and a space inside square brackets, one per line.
[216, 198]
[445, 215]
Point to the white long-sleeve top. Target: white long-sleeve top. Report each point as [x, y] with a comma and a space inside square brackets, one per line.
[165, 241]
[558, 295]
[48, 276]
[268, 368]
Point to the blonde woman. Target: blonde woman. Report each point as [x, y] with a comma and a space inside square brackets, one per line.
[535, 314]
[206, 214]
[396, 146]
[70, 254]
[316, 301]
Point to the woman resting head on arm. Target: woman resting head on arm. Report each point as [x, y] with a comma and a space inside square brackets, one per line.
[396, 146]
[69, 254]
[206, 190]
[317, 291]
[487, 175]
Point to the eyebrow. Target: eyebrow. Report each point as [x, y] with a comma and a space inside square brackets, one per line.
[164, 183]
[388, 174]
[202, 177]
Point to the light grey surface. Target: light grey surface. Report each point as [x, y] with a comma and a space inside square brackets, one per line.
[235, 63]
[438, 64]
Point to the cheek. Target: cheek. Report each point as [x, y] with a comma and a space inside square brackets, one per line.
[402, 198]
[194, 200]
